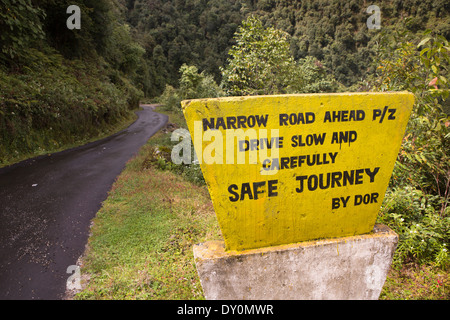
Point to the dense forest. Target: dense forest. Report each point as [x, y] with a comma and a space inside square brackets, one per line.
[62, 86]
[200, 32]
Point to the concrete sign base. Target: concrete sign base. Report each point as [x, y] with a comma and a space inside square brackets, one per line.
[352, 268]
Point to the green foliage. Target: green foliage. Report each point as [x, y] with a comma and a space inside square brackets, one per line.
[59, 87]
[311, 76]
[20, 26]
[424, 233]
[418, 203]
[422, 69]
[195, 85]
[334, 32]
[159, 157]
[123, 52]
[260, 62]
[56, 102]
[192, 85]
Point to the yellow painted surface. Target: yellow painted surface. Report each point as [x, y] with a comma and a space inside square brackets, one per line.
[291, 168]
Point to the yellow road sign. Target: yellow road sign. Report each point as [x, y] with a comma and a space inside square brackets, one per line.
[291, 168]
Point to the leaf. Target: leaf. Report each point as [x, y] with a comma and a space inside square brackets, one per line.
[423, 42]
[423, 51]
[435, 70]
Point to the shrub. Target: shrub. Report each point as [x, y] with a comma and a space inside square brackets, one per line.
[424, 234]
[417, 203]
[192, 85]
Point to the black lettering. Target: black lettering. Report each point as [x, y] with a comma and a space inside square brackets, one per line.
[344, 115]
[294, 141]
[313, 182]
[246, 190]
[319, 139]
[358, 199]
[220, 123]
[266, 164]
[359, 176]
[293, 118]
[372, 174]
[262, 120]
[310, 117]
[391, 114]
[360, 115]
[256, 188]
[374, 197]
[335, 203]
[254, 144]
[243, 143]
[251, 121]
[235, 196]
[352, 115]
[345, 201]
[294, 162]
[301, 179]
[321, 184]
[208, 124]
[283, 119]
[333, 156]
[376, 114]
[231, 122]
[349, 177]
[272, 188]
[284, 163]
[336, 179]
[336, 116]
[241, 120]
[301, 118]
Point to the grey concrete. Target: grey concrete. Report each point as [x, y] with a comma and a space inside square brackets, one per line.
[352, 268]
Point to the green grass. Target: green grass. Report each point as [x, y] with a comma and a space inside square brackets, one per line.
[142, 238]
[416, 282]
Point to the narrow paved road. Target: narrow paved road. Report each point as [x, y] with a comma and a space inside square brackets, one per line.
[47, 204]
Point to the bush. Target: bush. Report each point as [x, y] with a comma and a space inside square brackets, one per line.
[192, 85]
[159, 157]
[423, 233]
[417, 203]
[170, 98]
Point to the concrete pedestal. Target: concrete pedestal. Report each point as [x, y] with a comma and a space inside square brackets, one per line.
[344, 268]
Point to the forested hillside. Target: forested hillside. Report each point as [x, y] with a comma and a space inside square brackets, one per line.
[200, 32]
[61, 87]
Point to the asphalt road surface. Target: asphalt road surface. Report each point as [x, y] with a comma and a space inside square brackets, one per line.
[47, 204]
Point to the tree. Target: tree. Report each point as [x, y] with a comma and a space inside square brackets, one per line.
[260, 61]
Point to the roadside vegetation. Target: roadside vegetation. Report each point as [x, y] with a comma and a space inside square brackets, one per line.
[61, 88]
[142, 238]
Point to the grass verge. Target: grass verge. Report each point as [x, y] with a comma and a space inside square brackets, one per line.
[141, 240]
